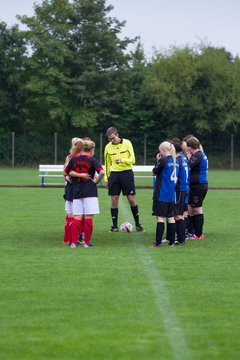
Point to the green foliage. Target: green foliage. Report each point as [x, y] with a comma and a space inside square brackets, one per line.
[71, 72]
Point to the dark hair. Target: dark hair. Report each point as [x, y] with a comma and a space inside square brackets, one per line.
[111, 130]
[193, 142]
[177, 144]
[187, 137]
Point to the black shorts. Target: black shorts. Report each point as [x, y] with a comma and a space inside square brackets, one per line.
[121, 181]
[179, 206]
[163, 209]
[197, 195]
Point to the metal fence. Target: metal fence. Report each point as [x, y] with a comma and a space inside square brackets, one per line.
[34, 149]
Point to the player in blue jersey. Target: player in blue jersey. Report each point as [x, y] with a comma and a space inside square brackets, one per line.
[166, 171]
[182, 189]
[198, 163]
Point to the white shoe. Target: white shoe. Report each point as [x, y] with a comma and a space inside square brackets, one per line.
[164, 240]
[73, 245]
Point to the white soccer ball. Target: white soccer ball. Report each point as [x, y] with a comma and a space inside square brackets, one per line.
[126, 227]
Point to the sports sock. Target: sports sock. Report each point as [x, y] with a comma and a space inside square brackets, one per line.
[134, 210]
[159, 232]
[76, 230]
[180, 230]
[198, 221]
[67, 229]
[114, 214]
[88, 228]
[190, 225]
[171, 229]
[186, 225]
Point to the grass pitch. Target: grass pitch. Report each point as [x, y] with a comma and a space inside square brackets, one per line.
[121, 299]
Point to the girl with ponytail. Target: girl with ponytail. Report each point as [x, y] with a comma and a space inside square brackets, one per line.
[166, 171]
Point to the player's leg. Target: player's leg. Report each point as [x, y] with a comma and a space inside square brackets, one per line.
[114, 190]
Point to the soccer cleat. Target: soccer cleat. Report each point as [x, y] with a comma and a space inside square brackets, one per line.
[81, 239]
[88, 246]
[155, 246]
[190, 236]
[73, 245]
[66, 242]
[179, 243]
[198, 237]
[113, 229]
[139, 228]
[165, 240]
[171, 245]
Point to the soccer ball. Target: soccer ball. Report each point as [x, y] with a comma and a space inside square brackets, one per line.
[126, 227]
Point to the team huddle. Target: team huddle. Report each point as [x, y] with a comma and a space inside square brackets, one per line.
[179, 189]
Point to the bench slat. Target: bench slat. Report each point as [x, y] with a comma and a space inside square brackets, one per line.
[50, 171]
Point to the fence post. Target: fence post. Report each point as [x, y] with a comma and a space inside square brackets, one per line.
[145, 150]
[55, 148]
[231, 166]
[13, 149]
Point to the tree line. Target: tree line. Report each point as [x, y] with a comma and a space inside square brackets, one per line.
[69, 71]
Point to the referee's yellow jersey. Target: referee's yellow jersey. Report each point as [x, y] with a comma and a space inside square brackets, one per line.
[123, 151]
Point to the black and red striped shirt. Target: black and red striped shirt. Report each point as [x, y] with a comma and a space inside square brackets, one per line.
[83, 188]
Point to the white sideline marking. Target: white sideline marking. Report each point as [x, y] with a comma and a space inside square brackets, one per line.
[173, 329]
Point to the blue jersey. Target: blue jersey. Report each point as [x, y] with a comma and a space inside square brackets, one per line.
[183, 175]
[198, 168]
[166, 177]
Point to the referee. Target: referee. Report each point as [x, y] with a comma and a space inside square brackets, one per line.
[119, 159]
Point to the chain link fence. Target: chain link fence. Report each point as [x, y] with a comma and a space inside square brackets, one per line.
[34, 149]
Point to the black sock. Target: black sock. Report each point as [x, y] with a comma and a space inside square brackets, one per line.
[171, 229]
[159, 232]
[198, 221]
[186, 226]
[180, 229]
[190, 225]
[134, 210]
[114, 214]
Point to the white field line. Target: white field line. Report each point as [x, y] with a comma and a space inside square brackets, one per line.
[169, 317]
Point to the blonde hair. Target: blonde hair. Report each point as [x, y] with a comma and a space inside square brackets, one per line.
[167, 146]
[77, 146]
[88, 145]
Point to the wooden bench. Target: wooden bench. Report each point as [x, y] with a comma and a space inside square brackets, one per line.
[56, 171]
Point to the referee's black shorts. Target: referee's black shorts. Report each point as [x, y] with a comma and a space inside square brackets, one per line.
[121, 181]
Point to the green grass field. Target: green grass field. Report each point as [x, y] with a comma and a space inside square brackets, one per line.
[121, 299]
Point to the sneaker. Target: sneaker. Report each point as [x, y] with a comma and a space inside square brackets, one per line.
[73, 245]
[190, 236]
[198, 237]
[171, 245]
[113, 229]
[88, 246]
[165, 240]
[178, 243]
[139, 228]
[80, 240]
[155, 245]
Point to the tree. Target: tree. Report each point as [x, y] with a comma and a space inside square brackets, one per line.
[75, 63]
[12, 79]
